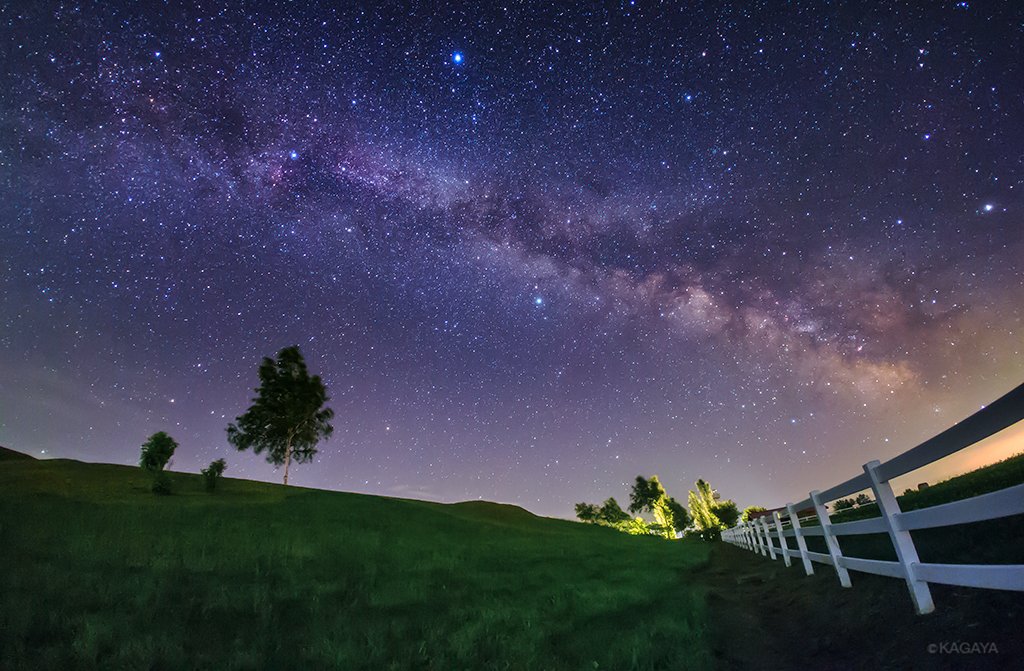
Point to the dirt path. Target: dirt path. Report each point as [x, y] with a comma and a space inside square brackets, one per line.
[767, 616]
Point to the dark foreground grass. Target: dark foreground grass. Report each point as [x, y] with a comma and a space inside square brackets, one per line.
[97, 572]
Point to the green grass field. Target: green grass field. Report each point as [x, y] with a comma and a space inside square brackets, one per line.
[100, 573]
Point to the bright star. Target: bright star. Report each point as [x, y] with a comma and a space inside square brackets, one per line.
[457, 57]
[157, 54]
[538, 300]
[293, 154]
[988, 207]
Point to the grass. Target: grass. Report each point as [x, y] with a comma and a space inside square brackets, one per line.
[1001, 474]
[100, 573]
[999, 541]
[97, 572]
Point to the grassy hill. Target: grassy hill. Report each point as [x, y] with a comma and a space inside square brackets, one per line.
[10, 455]
[100, 573]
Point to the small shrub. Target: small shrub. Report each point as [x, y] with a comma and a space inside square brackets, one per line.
[161, 483]
[213, 473]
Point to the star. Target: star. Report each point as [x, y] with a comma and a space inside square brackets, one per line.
[457, 57]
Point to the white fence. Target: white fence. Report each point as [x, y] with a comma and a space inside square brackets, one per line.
[769, 538]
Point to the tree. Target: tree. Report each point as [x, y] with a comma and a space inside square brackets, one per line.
[287, 418]
[702, 504]
[157, 451]
[843, 504]
[644, 494]
[635, 526]
[680, 518]
[751, 509]
[863, 499]
[212, 474]
[587, 512]
[610, 512]
[649, 496]
[727, 512]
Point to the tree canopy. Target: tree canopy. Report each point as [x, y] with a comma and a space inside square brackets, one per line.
[611, 512]
[648, 495]
[710, 515]
[587, 512]
[727, 512]
[157, 451]
[287, 417]
[702, 504]
[751, 509]
[680, 518]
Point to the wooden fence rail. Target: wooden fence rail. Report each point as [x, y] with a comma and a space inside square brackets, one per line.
[770, 538]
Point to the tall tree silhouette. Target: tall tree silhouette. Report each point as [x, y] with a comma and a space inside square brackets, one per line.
[287, 418]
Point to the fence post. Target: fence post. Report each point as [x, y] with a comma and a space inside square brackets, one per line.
[801, 544]
[760, 540]
[767, 536]
[748, 540]
[906, 551]
[830, 539]
[783, 546]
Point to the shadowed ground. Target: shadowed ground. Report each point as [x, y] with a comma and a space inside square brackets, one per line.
[767, 616]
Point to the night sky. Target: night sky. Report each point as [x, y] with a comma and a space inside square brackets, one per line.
[533, 251]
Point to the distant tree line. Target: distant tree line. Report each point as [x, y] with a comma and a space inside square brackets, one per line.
[845, 504]
[706, 516]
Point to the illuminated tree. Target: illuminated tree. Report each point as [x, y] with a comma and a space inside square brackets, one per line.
[649, 496]
[287, 418]
[702, 504]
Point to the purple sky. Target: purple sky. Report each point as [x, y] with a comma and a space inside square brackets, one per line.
[533, 252]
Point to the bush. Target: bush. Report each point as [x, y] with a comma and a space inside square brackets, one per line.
[213, 473]
[161, 483]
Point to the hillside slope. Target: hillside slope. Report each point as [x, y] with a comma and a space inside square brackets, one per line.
[100, 573]
[12, 455]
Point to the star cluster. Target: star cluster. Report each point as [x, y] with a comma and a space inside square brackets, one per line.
[534, 250]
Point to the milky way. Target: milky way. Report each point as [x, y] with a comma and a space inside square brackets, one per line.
[534, 251]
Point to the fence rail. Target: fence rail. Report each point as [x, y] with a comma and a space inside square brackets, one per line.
[770, 538]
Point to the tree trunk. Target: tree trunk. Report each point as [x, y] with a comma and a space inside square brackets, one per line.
[287, 459]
